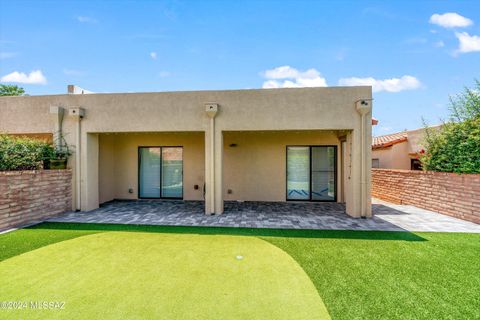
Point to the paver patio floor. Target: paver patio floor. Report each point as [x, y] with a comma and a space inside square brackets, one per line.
[282, 215]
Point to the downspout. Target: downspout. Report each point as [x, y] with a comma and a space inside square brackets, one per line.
[57, 115]
[363, 107]
[211, 109]
[212, 158]
[78, 114]
[78, 175]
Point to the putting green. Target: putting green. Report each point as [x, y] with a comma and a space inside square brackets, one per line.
[127, 275]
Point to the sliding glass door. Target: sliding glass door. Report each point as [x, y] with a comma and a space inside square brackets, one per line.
[160, 172]
[323, 173]
[172, 172]
[311, 173]
[149, 174]
[298, 173]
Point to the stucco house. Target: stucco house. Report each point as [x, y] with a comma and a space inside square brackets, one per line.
[399, 150]
[292, 144]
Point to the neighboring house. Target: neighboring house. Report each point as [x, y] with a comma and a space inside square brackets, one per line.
[295, 144]
[399, 150]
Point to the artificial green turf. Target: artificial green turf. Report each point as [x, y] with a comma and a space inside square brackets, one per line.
[438, 278]
[358, 274]
[125, 275]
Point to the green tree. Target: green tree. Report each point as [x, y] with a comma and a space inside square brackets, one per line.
[11, 90]
[456, 146]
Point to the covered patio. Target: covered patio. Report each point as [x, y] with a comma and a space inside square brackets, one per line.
[278, 215]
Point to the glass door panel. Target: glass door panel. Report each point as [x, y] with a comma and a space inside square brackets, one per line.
[172, 172]
[298, 173]
[149, 182]
[323, 173]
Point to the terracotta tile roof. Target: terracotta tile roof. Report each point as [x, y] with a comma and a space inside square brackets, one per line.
[389, 139]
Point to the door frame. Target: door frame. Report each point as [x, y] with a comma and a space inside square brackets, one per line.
[335, 171]
[161, 173]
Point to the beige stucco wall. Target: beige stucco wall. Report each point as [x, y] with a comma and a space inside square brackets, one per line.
[118, 155]
[266, 109]
[332, 108]
[393, 157]
[255, 170]
[106, 168]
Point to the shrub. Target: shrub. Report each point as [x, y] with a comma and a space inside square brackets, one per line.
[456, 146]
[23, 153]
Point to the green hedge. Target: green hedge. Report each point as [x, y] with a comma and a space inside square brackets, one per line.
[456, 146]
[18, 153]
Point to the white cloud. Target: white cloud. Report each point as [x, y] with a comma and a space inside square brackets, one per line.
[85, 19]
[288, 77]
[34, 77]
[439, 44]
[467, 43]
[450, 20]
[153, 55]
[389, 85]
[281, 73]
[7, 55]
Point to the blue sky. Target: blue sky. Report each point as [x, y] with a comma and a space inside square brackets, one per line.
[411, 51]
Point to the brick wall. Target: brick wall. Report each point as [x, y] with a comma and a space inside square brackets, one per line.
[456, 195]
[30, 196]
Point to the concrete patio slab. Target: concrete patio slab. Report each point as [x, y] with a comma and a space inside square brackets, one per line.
[279, 215]
[416, 219]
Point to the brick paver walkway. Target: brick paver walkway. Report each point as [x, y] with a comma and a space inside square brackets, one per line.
[287, 215]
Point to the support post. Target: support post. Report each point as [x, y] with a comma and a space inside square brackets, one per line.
[364, 108]
[211, 110]
[218, 172]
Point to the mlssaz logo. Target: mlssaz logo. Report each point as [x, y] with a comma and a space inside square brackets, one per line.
[47, 305]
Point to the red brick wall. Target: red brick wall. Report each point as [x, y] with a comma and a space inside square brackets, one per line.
[456, 195]
[30, 196]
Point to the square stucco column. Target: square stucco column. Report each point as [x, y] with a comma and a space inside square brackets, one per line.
[368, 166]
[209, 183]
[89, 171]
[213, 172]
[213, 162]
[218, 172]
[353, 189]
